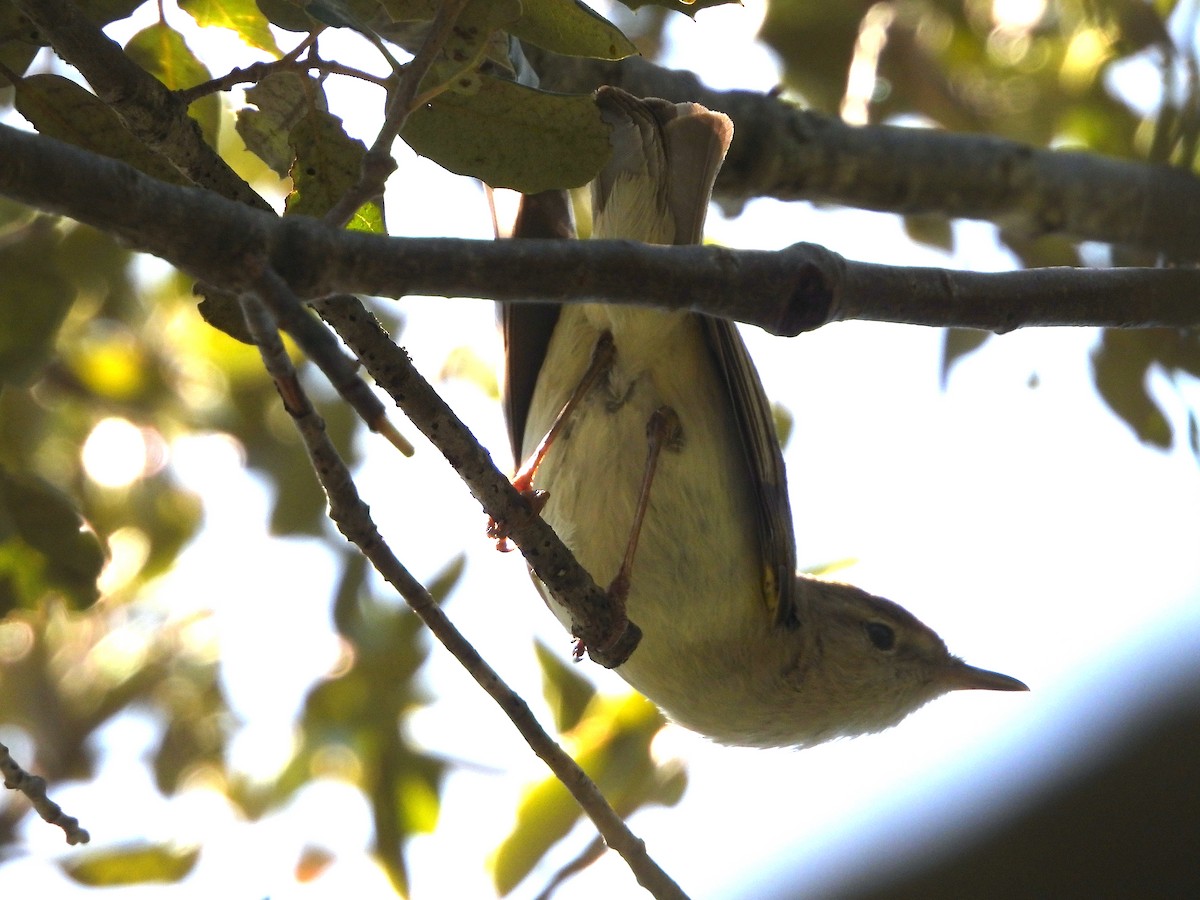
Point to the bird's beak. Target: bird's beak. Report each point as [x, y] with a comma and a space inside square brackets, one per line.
[961, 677]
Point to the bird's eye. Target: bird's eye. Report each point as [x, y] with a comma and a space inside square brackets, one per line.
[882, 636]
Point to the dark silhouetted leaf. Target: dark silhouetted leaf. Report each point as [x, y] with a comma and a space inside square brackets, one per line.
[572, 29]
[283, 99]
[512, 136]
[287, 15]
[47, 544]
[34, 300]
[59, 108]
[327, 165]
[1120, 367]
[689, 9]
[931, 229]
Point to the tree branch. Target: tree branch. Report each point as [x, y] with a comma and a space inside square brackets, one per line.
[151, 112]
[34, 788]
[353, 519]
[784, 292]
[788, 153]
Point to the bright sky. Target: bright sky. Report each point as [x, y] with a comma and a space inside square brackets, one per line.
[1025, 524]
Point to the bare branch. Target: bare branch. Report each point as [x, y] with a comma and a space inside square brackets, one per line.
[785, 292]
[353, 519]
[788, 153]
[34, 788]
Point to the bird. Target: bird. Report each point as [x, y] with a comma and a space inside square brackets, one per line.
[665, 477]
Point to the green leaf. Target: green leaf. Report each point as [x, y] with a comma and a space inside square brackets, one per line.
[931, 229]
[566, 691]
[34, 300]
[958, 343]
[60, 108]
[241, 16]
[614, 749]
[471, 38]
[572, 29]
[283, 99]
[683, 6]
[784, 423]
[19, 41]
[512, 136]
[46, 544]
[287, 15]
[1120, 367]
[131, 864]
[162, 51]
[326, 165]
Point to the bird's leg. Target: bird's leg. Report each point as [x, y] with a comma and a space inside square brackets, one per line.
[663, 431]
[601, 362]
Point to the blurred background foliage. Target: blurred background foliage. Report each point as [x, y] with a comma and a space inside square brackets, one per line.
[105, 365]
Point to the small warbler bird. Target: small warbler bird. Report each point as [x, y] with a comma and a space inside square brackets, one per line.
[665, 477]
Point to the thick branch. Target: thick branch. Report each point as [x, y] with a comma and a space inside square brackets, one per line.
[793, 154]
[784, 292]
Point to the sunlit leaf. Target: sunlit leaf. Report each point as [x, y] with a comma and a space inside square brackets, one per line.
[613, 747]
[512, 136]
[242, 16]
[162, 51]
[131, 864]
[466, 364]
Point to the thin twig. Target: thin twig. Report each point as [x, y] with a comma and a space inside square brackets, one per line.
[377, 164]
[34, 788]
[259, 71]
[322, 348]
[352, 516]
